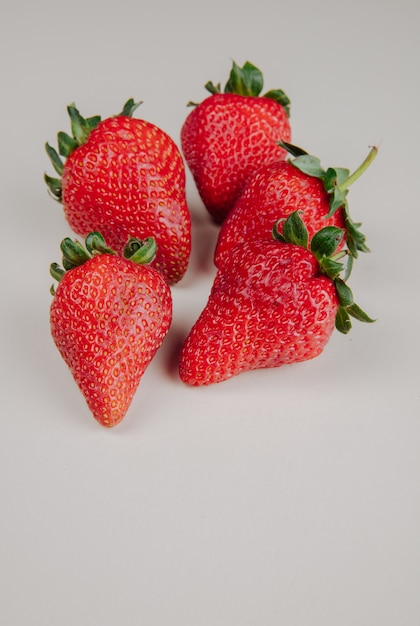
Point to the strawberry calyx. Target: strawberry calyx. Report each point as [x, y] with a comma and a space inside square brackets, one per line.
[75, 254]
[336, 182]
[324, 246]
[80, 130]
[248, 80]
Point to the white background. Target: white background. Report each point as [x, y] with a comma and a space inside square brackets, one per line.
[283, 497]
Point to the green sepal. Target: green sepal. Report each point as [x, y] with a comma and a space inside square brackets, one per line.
[355, 311]
[344, 293]
[279, 96]
[57, 163]
[93, 121]
[276, 232]
[349, 267]
[329, 267]
[80, 128]
[56, 271]
[326, 241]
[54, 187]
[74, 253]
[295, 151]
[295, 231]
[245, 81]
[342, 320]
[95, 244]
[309, 165]
[66, 144]
[356, 240]
[338, 199]
[212, 88]
[129, 107]
[140, 251]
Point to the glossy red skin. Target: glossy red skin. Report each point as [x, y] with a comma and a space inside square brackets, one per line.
[128, 180]
[108, 318]
[268, 306]
[224, 139]
[272, 193]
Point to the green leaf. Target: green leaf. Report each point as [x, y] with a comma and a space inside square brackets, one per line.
[57, 163]
[342, 320]
[66, 144]
[293, 150]
[280, 97]
[355, 311]
[129, 107]
[356, 240]
[309, 165]
[95, 243]
[329, 267]
[140, 251]
[245, 81]
[295, 231]
[330, 179]
[56, 271]
[93, 121]
[212, 88]
[342, 175]
[338, 199]
[54, 187]
[276, 232]
[79, 126]
[349, 267]
[74, 253]
[345, 295]
[326, 241]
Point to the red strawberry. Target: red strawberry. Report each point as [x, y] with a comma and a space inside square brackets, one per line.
[272, 303]
[276, 190]
[229, 134]
[124, 177]
[108, 317]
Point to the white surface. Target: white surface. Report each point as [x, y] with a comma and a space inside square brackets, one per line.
[285, 497]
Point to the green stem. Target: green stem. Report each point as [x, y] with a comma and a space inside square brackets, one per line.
[360, 170]
[339, 255]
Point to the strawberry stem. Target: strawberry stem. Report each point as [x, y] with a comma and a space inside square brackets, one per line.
[345, 184]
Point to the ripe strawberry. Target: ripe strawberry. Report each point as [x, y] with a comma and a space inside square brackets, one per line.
[276, 190]
[108, 317]
[272, 303]
[229, 134]
[124, 177]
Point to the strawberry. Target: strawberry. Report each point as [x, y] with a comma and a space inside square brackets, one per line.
[124, 177]
[229, 134]
[109, 315]
[272, 303]
[276, 190]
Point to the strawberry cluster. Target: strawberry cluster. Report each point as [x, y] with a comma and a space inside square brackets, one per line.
[285, 247]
